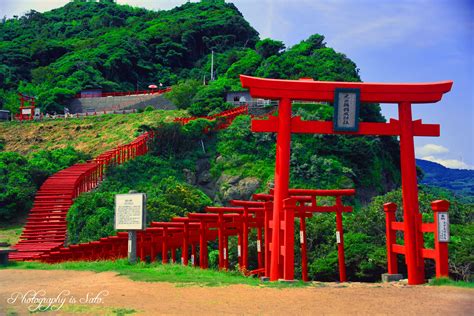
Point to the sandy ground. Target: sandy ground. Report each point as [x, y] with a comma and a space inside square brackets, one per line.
[166, 298]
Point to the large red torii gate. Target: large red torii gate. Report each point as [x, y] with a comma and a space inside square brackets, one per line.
[403, 94]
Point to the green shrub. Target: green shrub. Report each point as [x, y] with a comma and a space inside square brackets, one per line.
[182, 93]
[92, 214]
[45, 163]
[20, 177]
[17, 187]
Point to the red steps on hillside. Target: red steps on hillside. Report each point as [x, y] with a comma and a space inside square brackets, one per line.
[46, 226]
[44, 234]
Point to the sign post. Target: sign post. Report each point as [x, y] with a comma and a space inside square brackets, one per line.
[130, 214]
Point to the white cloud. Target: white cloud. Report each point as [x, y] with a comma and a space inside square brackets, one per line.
[449, 163]
[430, 149]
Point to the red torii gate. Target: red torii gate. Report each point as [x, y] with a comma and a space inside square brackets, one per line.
[303, 211]
[403, 94]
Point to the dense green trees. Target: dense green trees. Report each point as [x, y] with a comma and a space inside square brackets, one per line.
[55, 54]
[114, 47]
[20, 177]
[17, 187]
[159, 174]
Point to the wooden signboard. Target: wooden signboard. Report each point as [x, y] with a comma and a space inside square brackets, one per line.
[443, 227]
[346, 110]
[130, 211]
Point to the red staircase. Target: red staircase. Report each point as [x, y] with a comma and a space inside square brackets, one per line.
[224, 118]
[46, 226]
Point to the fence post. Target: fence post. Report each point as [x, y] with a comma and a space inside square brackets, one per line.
[304, 257]
[441, 236]
[390, 209]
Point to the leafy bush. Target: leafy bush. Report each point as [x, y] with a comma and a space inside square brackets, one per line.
[91, 217]
[92, 214]
[175, 139]
[365, 260]
[182, 93]
[20, 177]
[45, 163]
[461, 255]
[17, 187]
[210, 99]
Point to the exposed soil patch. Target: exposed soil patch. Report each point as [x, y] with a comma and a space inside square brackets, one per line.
[166, 298]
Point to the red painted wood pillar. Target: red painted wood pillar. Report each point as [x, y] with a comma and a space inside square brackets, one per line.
[202, 246]
[220, 237]
[289, 206]
[173, 254]
[340, 241]
[391, 237]
[245, 239]
[268, 209]
[153, 244]
[226, 252]
[193, 255]
[441, 248]
[184, 252]
[411, 215]
[141, 246]
[239, 246]
[259, 248]
[164, 246]
[304, 256]
[282, 178]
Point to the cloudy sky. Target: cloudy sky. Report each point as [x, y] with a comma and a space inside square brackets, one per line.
[390, 41]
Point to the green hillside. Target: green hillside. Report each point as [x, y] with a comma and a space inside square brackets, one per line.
[103, 44]
[55, 54]
[457, 180]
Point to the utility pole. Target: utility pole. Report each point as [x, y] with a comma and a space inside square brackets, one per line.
[212, 65]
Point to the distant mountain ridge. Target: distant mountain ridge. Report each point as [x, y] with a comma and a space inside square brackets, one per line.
[458, 180]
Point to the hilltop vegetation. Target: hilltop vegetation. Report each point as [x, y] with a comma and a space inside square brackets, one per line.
[55, 54]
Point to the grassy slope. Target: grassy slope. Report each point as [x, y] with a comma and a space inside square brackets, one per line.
[11, 234]
[92, 135]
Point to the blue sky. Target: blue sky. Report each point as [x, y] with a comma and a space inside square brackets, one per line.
[390, 41]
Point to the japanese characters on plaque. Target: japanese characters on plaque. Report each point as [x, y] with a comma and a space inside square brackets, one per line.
[346, 109]
[130, 211]
[443, 227]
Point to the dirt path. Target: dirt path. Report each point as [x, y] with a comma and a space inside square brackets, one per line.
[165, 298]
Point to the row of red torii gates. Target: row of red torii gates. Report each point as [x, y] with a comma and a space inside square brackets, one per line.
[273, 215]
[403, 94]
